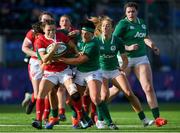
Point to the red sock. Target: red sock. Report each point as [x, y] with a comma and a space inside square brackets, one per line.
[32, 98]
[46, 109]
[39, 109]
[78, 107]
[86, 100]
[93, 108]
[93, 112]
[62, 111]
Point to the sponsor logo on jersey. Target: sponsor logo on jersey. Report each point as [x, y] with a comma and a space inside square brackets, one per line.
[131, 27]
[143, 26]
[140, 35]
[107, 56]
[113, 48]
[101, 47]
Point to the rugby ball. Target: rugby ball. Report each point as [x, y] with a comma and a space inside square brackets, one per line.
[61, 50]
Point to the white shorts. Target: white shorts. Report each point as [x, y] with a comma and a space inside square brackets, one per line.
[58, 77]
[82, 78]
[35, 70]
[137, 61]
[110, 74]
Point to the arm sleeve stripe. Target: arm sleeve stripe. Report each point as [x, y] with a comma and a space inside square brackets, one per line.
[41, 50]
[29, 40]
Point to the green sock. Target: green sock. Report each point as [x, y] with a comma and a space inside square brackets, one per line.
[141, 115]
[54, 112]
[155, 112]
[99, 112]
[106, 114]
[86, 116]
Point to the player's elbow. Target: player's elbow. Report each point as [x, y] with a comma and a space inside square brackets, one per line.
[24, 49]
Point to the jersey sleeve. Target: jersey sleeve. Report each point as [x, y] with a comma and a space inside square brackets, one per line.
[30, 36]
[121, 46]
[40, 45]
[146, 28]
[90, 49]
[119, 29]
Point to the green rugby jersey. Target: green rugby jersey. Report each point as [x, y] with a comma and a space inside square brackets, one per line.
[91, 49]
[108, 52]
[131, 33]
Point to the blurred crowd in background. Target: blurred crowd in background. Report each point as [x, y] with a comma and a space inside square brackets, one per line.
[19, 14]
[161, 16]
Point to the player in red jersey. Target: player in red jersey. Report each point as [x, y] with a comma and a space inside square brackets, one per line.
[55, 72]
[35, 72]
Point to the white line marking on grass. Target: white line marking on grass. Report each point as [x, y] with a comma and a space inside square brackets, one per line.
[123, 127]
[23, 125]
[68, 125]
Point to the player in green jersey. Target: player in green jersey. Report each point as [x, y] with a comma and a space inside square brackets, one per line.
[88, 69]
[109, 47]
[134, 33]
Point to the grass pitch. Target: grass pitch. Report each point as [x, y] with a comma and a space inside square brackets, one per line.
[13, 119]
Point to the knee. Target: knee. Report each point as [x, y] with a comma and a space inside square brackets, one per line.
[148, 88]
[76, 96]
[72, 89]
[41, 94]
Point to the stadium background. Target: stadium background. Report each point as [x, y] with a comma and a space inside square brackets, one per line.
[161, 16]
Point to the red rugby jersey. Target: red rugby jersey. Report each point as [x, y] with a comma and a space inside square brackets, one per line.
[31, 38]
[42, 43]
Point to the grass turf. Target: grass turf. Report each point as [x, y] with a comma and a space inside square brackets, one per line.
[14, 119]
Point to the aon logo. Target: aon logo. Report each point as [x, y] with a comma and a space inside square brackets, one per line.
[107, 56]
[140, 35]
